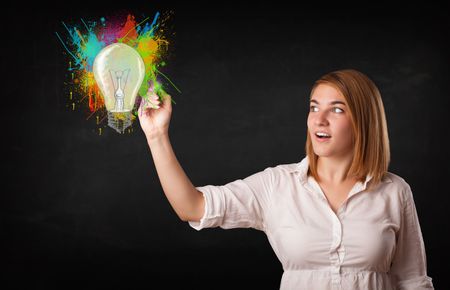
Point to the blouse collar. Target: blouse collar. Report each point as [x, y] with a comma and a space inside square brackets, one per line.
[302, 167]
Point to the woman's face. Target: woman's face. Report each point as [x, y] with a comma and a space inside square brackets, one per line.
[329, 114]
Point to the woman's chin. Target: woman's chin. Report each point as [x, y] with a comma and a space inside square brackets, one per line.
[322, 153]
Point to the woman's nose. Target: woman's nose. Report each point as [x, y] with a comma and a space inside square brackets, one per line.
[321, 118]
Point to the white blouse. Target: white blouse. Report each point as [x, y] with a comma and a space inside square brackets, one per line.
[373, 242]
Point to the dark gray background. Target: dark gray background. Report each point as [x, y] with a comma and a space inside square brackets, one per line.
[88, 211]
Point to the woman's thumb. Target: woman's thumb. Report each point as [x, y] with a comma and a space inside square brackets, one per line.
[167, 100]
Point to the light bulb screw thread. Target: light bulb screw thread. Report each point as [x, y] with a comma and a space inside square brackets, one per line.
[119, 123]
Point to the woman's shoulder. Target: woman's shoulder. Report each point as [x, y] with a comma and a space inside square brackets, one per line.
[398, 184]
[283, 168]
[280, 171]
[396, 179]
[287, 168]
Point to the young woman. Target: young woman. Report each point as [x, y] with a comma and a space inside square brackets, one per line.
[337, 219]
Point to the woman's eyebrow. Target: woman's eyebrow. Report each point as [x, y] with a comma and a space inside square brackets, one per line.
[331, 103]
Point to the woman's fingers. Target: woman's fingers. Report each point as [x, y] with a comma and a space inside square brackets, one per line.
[152, 102]
[143, 108]
[149, 104]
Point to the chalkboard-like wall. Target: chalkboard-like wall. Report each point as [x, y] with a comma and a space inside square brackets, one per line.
[87, 210]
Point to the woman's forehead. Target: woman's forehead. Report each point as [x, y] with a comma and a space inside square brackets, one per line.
[325, 93]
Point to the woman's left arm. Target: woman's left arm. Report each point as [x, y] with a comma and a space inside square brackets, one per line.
[409, 265]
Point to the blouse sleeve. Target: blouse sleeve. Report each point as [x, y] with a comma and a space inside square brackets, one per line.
[409, 268]
[238, 204]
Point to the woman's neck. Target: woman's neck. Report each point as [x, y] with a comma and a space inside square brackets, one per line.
[334, 169]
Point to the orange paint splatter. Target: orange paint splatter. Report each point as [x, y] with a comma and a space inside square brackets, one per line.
[147, 48]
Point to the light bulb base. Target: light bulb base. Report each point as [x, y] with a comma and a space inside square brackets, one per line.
[119, 121]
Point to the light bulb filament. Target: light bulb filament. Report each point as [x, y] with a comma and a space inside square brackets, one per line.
[119, 82]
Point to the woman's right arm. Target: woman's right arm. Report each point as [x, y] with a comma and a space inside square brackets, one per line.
[184, 198]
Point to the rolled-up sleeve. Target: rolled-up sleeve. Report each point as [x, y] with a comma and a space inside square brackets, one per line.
[409, 265]
[238, 204]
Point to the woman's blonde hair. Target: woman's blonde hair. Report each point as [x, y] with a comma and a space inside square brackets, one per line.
[370, 134]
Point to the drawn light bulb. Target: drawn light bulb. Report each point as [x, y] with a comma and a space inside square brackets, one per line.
[119, 71]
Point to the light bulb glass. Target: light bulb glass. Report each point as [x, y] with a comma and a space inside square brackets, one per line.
[119, 71]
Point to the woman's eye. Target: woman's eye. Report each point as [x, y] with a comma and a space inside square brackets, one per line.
[313, 108]
[338, 110]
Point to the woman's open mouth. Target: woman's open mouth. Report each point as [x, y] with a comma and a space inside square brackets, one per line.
[322, 136]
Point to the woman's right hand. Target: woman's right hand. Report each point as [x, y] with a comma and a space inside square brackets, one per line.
[154, 116]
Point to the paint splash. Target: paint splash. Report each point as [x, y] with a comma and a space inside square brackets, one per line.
[86, 39]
